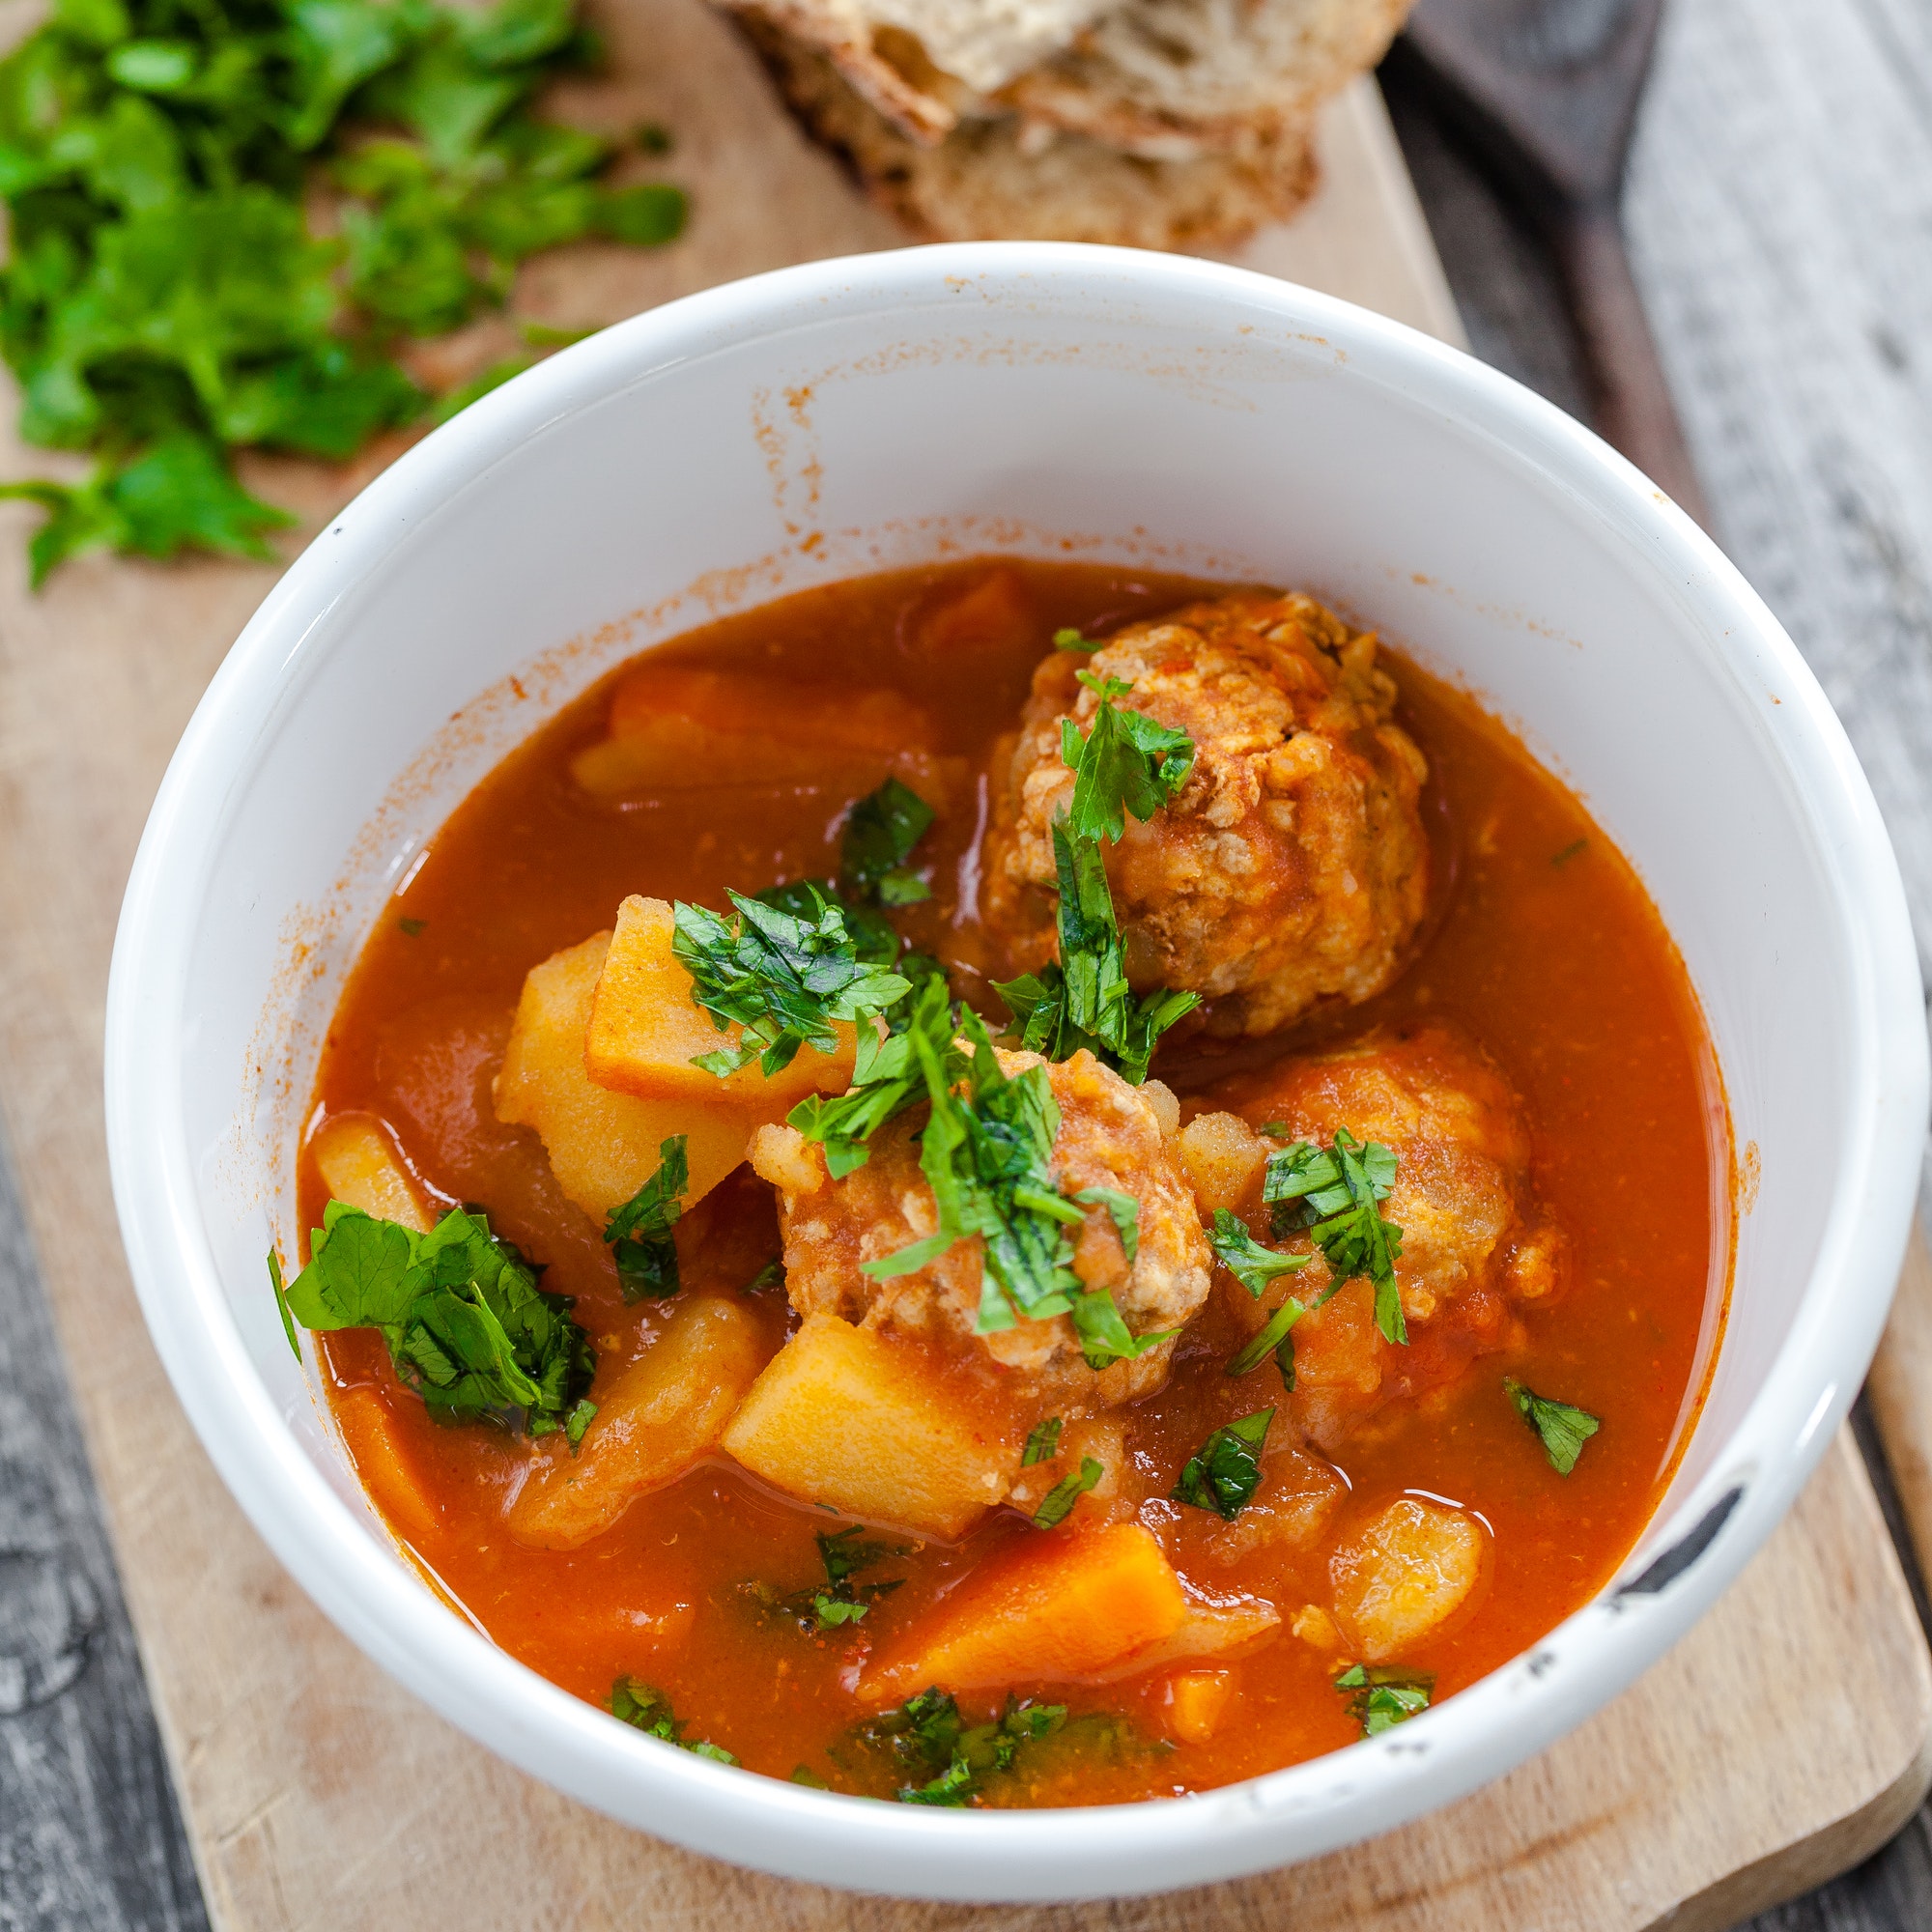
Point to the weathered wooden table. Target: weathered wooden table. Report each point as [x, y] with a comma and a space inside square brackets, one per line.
[1779, 207]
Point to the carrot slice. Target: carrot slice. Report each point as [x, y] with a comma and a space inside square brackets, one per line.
[997, 612]
[1053, 1610]
[384, 1463]
[672, 727]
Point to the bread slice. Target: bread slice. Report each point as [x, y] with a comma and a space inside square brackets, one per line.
[1005, 178]
[1165, 80]
[1161, 77]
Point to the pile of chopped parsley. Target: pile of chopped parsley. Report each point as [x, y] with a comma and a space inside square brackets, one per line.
[168, 300]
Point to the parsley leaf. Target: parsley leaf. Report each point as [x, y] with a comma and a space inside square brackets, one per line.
[1244, 1258]
[1562, 1428]
[1084, 999]
[1276, 1338]
[1125, 763]
[929, 1730]
[1223, 1474]
[887, 1075]
[1041, 1445]
[647, 1709]
[1340, 1188]
[467, 1326]
[845, 1601]
[985, 1155]
[784, 978]
[1384, 1694]
[1123, 1210]
[1068, 639]
[1059, 1502]
[165, 302]
[880, 833]
[639, 1230]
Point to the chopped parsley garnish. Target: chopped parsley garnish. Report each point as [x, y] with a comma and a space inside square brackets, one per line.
[1223, 1474]
[1043, 1445]
[927, 1733]
[803, 1774]
[1058, 1502]
[411, 928]
[886, 1076]
[167, 300]
[1244, 1258]
[1067, 639]
[1384, 1695]
[1563, 1428]
[883, 828]
[1335, 1193]
[639, 1231]
[1084, 999]
[985, 1154]
[1254, 1266]
[771, 1275]
[1276, 1338]
[1125, 763]
[842, 1601]
[785, 978]
[647, 1709]
[1573, 850]
[467, 1326]
[1123, 1210]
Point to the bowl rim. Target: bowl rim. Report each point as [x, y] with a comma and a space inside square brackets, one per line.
[1281, 1816]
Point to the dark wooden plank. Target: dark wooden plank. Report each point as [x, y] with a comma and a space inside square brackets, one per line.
[89, 1836]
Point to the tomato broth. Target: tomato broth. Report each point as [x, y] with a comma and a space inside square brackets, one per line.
[1540, 944]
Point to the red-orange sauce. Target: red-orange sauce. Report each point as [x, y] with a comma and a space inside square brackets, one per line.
[1542, 945]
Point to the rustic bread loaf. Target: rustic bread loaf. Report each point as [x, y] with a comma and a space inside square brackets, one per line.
[996, 174]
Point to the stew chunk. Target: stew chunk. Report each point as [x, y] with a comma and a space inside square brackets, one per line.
[1292, 868]
[1108, 1138]
[1475, 1241]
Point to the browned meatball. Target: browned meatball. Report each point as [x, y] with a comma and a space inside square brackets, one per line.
[1110, 1136]
[1475, 1241]
[1293, 866]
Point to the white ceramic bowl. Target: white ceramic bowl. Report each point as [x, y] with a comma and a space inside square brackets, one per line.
[1044, 400]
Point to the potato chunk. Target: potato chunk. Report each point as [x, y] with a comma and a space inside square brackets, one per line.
[1220, 1630]
[646, 1030]
[1195, 1703]
[844, 1417]
[361, 1167]
[602, 1145]
[658, 1418]
[1050, 1609]
[1224, 1158]
[1405, 1574]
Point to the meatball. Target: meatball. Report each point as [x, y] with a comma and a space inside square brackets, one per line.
[1476, 1242]
[1293, 866]
[1110, 1136]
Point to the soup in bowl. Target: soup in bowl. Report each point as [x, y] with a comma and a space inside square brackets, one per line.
[1019, 1029]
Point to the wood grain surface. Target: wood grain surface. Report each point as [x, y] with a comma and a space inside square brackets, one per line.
[321, 1795]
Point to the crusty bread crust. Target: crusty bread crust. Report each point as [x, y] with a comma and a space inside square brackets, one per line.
[1177, 77]
[1164, 79]
[993, 179]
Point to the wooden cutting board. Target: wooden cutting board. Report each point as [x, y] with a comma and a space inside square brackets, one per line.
[1783, 1740]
